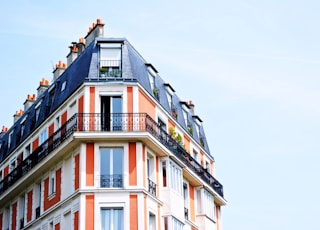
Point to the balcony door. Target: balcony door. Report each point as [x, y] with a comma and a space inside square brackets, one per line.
[111, 113]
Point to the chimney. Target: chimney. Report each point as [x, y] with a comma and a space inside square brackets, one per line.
[3, 131]
[81, 45]
[60, 68]
[191, 105]
[29, 101]
[73, 54]
[43, 86]
[96, 30]
[17, 115]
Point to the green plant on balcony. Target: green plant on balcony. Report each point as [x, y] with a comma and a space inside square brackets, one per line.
[179, 139]
[103, 71]
[172, 132]
[190, 129]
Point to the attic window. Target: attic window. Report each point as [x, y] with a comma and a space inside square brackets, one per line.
[63, 86]
[10, 139]
[110, 55]
[37, 110]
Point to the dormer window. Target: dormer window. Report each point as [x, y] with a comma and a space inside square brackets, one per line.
[10, 139]
[110, 59]
[23, 125]
[170, 92]
[63, 86]
[37, 108]
[152, 73]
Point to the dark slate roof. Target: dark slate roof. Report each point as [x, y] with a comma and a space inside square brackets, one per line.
[86, 67]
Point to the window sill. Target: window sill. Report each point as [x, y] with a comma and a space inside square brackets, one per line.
[52, 195]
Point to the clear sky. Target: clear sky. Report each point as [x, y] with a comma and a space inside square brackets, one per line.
[251, 68]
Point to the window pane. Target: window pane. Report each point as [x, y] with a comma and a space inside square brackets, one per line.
[105, 162]
[116, 104]
[112, 219]
[118, 219]
[105, 219]
[117, 161]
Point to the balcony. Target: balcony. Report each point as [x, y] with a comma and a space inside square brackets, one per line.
[116, 122]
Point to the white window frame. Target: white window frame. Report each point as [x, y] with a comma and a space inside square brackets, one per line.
[52, 183]
[176, 224]
[112, 207]
[176, 179]
[43, 136]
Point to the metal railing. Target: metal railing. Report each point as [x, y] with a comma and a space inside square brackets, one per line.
[152, 187]
[111, 181]
[114, 122]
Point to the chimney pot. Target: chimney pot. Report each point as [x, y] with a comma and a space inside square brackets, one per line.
[60, 68]
[191, 105]
[43, 86]
[95, 31]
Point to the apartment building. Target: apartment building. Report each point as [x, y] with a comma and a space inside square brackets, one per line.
[107, 144]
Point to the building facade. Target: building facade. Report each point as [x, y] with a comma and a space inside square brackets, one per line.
[107, 145]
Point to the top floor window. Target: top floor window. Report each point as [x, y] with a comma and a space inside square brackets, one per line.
[110, 58]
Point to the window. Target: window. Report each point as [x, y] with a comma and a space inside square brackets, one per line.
[112, 219]
[207, 166]
[172, 176]
[152, 80]
[51, 225]
[63, 86]
[43, 136]
[10, 139]
[7, 218]
[22, 127]
[205, 203]
[21, 210]
[110, 60]
[164, 174]
[37, 108]
[52, 183]
[185, 116]
[162, 124]
[208, 204]
[111, 167]
[172, 223]
[176, 224]
[152, 221]
[152, 187]
[12, 164]
[195, 155]
[169, 96]
[27, 151]
[51, 91]
[186, 199]
[175, 178]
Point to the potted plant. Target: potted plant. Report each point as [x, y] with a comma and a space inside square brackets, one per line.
[103, 71]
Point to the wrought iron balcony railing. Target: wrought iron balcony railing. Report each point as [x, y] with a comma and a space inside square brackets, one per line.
[152, 187]
[111, 181]
[115, 122]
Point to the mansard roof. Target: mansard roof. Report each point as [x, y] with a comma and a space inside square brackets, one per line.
[83, 69]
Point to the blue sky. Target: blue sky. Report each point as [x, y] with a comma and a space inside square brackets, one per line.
[251, 67]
